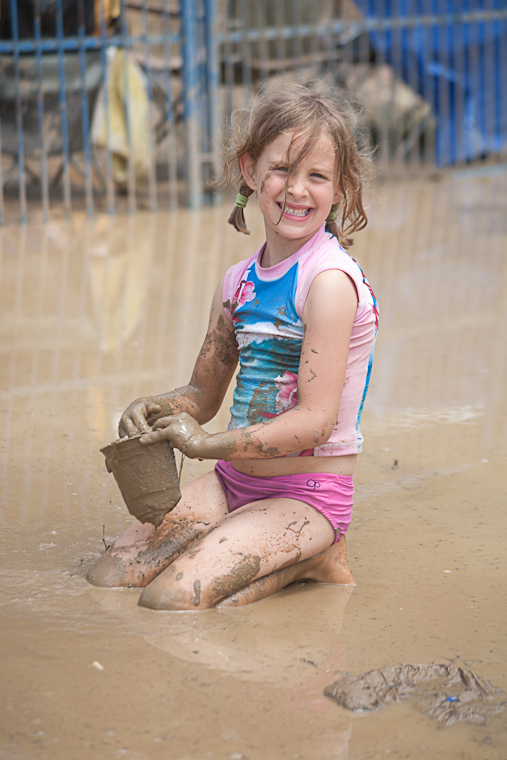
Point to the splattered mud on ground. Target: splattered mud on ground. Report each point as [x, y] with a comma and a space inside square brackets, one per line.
[94, 315]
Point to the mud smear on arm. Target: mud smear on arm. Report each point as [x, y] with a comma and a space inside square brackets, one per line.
[213, 371]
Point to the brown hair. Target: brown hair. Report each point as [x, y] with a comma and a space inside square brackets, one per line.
[308, 110]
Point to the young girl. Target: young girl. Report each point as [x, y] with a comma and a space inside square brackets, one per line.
[301, 319]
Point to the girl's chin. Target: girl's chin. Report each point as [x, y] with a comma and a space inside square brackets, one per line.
[296, 232]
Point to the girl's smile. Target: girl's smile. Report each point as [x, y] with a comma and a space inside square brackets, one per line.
[294, 212]
[294, 205]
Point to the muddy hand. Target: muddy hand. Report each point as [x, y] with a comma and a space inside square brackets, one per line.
[182, 432]
[134, 419]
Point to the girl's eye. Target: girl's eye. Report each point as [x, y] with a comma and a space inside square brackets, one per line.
[319, 176]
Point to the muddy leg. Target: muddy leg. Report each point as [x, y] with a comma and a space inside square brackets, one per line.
[330, 566]
[142, 552]
[254, 541]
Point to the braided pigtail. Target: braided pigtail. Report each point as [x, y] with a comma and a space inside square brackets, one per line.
[237, 217]
[331, 225]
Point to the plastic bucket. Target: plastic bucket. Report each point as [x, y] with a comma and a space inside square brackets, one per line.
[146, 476]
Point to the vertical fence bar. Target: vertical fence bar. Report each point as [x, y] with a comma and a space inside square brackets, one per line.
[475, 82]
[381, 60]
[107, 120]
[213, 90]
[2, 212]
[297, 51]
[445, 89]
[314, 42]
[125, 43]
[202, 89]
[412, 37]
[467, 76]
[483, 86]
[453, 88]
[263, 43]
[280, 44]
[396, 60]
[190, 100]
[19, 114]
[169, 109]
[423, 44]
[499, 66]
[433, 44]
[62, 98]
[328, 42]
[85, 120]
[246, 58]
[44, 181]
[152, 178]
[460, 94]
[227, 57]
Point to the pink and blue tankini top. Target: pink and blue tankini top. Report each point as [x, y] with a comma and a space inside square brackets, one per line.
[266, 307]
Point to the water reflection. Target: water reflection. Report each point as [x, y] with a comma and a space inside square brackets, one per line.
[289, 645]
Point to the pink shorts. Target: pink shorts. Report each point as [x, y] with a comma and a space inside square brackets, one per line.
[329, 494]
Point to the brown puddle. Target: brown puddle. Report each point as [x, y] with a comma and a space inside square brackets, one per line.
[96, 314]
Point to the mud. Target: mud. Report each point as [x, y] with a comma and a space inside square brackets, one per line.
[222, 342]
[465, 697]
[241, 574]
[93, 315]
[136, 567]
[146, 476]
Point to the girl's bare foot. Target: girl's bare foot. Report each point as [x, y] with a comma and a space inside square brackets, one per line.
[330, 566]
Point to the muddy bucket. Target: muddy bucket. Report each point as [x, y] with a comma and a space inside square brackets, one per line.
[146, 476]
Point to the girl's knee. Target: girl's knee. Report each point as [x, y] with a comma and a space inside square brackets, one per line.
[107, 572]
[116, 569]
[169, 591]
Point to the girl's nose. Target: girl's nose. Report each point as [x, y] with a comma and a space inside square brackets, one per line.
[296, 185]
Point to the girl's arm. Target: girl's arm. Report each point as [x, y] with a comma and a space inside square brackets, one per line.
[202, 397]
[327, 320]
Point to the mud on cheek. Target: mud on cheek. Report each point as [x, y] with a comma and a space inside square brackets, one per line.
[265, 181]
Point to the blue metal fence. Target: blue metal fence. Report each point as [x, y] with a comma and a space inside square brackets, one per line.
[125, 109]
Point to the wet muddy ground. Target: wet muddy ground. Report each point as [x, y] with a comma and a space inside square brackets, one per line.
[96, 314]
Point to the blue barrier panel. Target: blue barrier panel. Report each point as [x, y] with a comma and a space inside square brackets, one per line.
[455, 48]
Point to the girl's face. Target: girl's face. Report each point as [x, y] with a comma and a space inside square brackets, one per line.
[311, 188]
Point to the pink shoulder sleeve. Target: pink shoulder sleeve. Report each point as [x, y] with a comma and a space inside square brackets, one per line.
[329, 256]
[232, 278]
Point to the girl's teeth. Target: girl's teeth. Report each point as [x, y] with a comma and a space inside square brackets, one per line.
[296, 212]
